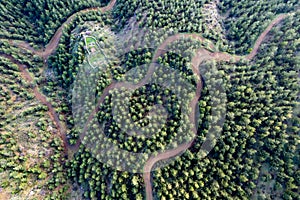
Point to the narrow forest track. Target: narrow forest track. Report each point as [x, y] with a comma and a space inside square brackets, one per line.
[52, 45]
[39, 96]
[45, 53]
[201, 55]
[262, 36]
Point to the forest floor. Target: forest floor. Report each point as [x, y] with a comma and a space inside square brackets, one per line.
[201, 55]
[39, 96]
[45, 53]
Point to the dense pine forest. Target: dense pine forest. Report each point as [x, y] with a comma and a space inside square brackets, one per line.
[127, 99]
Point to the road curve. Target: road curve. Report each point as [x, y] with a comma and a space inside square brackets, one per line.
[45, 53]
[39, 96]
[201, 55]
[262, 36]
[53, 43]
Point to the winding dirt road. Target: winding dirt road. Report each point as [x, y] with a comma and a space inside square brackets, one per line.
[53, 43]
[39, 96]
[45, 53]
[201, 55]
[262, 36]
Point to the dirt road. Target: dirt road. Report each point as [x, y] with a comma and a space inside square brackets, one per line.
[53, 43]
[39, 96]
[45, 53]
[201, 55]
[262, 36]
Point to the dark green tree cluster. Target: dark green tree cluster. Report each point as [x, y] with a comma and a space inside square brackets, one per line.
[248, 18]
[30, 154]
[36, 21]
[175, 16]
[140, 105]
[141, 102]
[67, 57]
[257, 155]
[232, 169]
[32, 62]
[260, 130]
[102, 182]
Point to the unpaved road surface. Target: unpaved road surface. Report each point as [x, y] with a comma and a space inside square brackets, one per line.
[201, 55]
[45, 53]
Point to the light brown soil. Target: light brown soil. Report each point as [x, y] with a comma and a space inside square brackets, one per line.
[263, 35]
[52, 45]
[39, 96]
[50, 48]
[200, 56]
